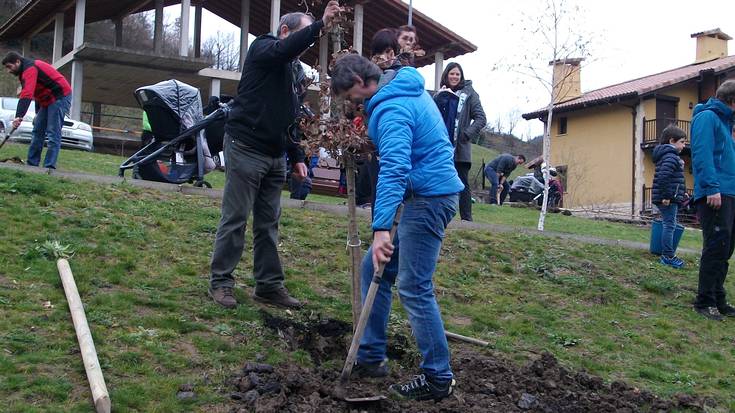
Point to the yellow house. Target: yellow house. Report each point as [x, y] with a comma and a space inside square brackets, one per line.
[602, 140]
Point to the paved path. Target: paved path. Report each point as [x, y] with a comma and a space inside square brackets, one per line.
[332, 209]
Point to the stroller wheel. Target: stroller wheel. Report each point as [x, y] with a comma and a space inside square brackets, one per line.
[200, 184]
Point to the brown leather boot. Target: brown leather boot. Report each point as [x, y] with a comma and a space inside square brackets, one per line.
[223, 296]
[279, 297]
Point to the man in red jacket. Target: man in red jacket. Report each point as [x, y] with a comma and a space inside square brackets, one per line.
[52, 93]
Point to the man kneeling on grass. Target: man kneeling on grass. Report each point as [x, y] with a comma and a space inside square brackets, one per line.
[416, 168]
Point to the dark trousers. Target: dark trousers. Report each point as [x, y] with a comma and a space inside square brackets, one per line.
[465, 197]
[492, 176]
[718, 231]
[253, 182]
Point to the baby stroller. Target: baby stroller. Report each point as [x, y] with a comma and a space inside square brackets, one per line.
[530, 188]
[182, 137]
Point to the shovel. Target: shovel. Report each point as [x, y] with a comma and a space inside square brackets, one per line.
[340, 392]
[7, 137]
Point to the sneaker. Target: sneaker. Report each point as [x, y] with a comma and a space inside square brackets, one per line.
[673, 262]
[710, 312]
[279, 297]
[726, 310]
[422, 388]
[223, 296]
[370, 369]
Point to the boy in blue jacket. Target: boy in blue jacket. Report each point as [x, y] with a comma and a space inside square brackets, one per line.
[416, 168]
[713, 162]
[669, 189]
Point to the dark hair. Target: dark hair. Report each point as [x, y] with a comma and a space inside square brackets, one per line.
[408, 28]
[385, 39]
[672, 133]
[349, 66]
[522, 157]
[726, 92]
[12, 57]
[445, 76]
[292, 21]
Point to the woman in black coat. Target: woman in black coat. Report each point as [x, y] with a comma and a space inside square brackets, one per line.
[462, 111]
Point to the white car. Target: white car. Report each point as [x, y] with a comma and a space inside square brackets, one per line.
[74, 134]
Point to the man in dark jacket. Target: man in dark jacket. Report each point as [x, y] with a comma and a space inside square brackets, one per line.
[256, 139]
[669, 189]
[52, 93]
[713, 163]
[498, 171]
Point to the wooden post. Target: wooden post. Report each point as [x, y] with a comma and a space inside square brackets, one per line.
[358, 28]
[89, 355]
[275, 16]
[58, 37]
[353, 242]
[184, 39]
[158, 28]
[198, 30]
[244, 30]
[438, 69]
[466, 339]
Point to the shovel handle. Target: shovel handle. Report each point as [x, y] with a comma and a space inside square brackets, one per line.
[367, 307]
[7, 137]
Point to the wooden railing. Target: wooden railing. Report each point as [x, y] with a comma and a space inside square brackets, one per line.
[652, 129]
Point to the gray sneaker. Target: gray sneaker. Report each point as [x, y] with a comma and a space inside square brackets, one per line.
[279, 297]
[223, 296]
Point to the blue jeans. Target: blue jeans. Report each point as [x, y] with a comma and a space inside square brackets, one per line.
[668, 219]
[47, 126]
[417, 244]
[492, 176]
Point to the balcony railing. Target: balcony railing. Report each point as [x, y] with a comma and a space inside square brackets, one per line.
[652, 129]
[648, 201]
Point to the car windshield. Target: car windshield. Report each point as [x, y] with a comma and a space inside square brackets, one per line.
[12, 104]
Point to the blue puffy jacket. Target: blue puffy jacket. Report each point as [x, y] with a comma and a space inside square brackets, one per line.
[713, 149]
[416, 156]
[668, 181]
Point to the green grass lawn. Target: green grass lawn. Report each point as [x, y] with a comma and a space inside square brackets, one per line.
[141, 262]
[101, 164]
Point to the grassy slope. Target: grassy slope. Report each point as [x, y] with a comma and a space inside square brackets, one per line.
[140, 264]
[108, 165]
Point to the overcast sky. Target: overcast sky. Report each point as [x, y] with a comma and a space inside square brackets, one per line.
[630, 39]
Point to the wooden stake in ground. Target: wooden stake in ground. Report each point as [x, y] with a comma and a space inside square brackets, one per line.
[89, 355]
[353, 241]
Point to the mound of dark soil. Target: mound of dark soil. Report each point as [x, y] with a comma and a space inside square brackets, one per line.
[485, 383]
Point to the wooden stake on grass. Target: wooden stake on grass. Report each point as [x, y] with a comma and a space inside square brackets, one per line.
[89, 355]
[353, 241]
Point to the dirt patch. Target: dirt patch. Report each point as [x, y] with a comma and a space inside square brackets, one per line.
[485, 383]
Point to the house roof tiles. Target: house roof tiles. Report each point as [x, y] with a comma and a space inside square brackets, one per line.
[640, 86]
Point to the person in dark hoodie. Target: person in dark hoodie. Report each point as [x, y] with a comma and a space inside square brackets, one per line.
[464, 117]
[669, 189]
[713, 164]
[52, 93]
[416, 169]
[256, 138]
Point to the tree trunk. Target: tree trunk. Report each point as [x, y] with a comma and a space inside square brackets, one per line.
[546, 160]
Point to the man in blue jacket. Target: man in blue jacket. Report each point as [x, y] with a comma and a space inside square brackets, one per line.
[416, 168]
[713, 162]
[256, 139]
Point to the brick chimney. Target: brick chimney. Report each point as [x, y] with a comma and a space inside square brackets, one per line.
[711, 45]
[567, 83]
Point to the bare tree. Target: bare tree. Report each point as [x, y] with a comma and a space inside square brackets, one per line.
[555, 31]
[222, 50]
[511, 119]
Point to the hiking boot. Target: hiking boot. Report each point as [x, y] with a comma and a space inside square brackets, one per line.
[422, 388]
[673, 262]
[223, 296]
[710, 312]
[726, 310]
[279, 297]
[363, 370]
